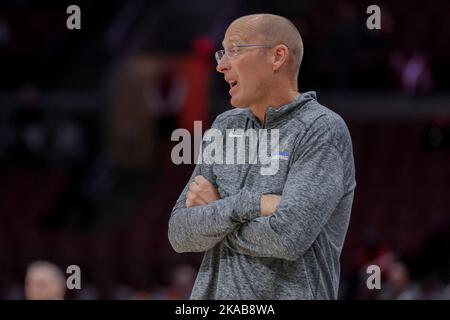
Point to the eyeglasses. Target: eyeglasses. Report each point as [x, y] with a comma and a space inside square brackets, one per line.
[233, 51]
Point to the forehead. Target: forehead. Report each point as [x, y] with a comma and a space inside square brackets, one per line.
[40, 273]
[240, 32]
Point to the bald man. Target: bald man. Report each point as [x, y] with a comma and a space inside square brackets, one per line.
[276, 235]
[44, 281]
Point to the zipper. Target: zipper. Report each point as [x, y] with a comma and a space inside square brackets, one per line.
[249, 166]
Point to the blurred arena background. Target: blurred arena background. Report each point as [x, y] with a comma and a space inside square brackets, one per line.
[86, 117]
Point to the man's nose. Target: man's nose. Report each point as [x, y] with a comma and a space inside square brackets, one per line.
[223, 64]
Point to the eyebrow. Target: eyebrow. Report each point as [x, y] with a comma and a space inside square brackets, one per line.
[233, 40]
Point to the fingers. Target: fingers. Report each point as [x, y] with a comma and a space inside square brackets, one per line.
[200, 185]
[201, 192]
[197, 190]
[202, 181]
[194, 187]
[192, 200]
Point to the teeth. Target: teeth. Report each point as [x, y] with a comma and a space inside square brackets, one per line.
[232, 83]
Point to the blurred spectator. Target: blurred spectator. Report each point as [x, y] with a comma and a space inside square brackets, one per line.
[44, 281]
[182, 280]
[69, 146]
[165, 99]
[398, 285]
[132, 123]
[197, 69]
[413, 72]
[28, 120]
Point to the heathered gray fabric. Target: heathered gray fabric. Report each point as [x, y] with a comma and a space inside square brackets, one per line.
[293, 254]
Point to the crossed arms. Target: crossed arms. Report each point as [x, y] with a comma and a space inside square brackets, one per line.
[202, 192]
[278, 226]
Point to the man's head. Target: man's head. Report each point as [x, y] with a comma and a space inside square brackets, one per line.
[257, 72]
[44, 281]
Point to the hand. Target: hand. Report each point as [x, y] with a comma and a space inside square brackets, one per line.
[269, 203]
[201, 192]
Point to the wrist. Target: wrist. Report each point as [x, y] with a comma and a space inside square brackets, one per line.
[248, 205]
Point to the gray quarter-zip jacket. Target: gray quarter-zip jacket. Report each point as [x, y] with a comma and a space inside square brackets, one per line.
[294, 253]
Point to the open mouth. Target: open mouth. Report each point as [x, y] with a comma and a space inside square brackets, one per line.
[232, 83]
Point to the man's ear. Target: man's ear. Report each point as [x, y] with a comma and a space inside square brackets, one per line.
[280, 55]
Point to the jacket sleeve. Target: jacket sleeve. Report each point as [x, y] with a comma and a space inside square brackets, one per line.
[312, 191]
[200, 228]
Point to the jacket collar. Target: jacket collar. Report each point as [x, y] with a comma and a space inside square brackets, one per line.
[276, 116]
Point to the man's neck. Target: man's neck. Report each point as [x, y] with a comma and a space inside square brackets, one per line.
[259, 110]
